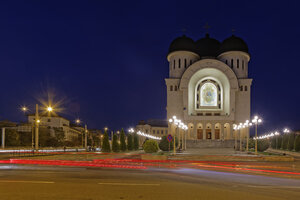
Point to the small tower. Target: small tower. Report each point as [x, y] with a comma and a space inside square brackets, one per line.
[234, 52]
[182, 53]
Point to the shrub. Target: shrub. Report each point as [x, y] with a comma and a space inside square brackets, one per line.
[129, 142]
[122, 141]
[105, 143]
[263, 145]
[12, 137]
[164, 144]
[273, 142]
[297, 143]
[115, 144]
[251, 143]
[150, 146]
[135, 142]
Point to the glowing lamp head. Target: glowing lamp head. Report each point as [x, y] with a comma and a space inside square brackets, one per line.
[174, 117]
[77, 121]
[170, 120]
[49, 109]
[38, 121]
[24, 109]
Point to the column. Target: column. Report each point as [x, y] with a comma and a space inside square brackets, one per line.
[213, 131]
[204, 131]
[194, 136]
[231, 131]
[222, 132]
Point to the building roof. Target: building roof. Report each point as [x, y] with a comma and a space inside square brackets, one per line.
[182, 43]
[48, 115]
[207, 46]
[155, 122]
[233, 43]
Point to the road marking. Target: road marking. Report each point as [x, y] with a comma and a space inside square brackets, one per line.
[131, 184]
[274, 186]
[12, 181]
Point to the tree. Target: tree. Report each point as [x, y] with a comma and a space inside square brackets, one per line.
[291, 142]
[135, 142]
[129, 142]
[122, 141]
[12, 137]
[263, 145]
[285, 141]
[279, 142]
[273, 142]
[115, 144]
[150, 146]
[25, 138]
[105, 143]
[297, 143]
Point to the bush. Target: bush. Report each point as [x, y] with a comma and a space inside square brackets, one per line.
[150, 146]
[135, 142]
[129, 142]
[122, 141]
[164, 144]
[115, 144]
[251, 143]
[105, 143]
[25, 138]
[297, 143]
[263, 145]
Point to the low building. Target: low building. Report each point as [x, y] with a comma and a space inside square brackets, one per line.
[153, 127]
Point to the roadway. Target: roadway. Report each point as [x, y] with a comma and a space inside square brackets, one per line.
[30, 182]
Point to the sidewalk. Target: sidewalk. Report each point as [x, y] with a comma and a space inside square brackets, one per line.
[290, 153]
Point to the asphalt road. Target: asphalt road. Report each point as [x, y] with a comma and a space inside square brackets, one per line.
[46, 182]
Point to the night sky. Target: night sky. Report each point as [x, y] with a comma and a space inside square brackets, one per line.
[106, 60]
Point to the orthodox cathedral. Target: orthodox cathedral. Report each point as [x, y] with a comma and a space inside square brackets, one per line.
[208, 88]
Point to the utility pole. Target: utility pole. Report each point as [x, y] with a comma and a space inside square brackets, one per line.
[37, 127]
[85, 142]
[3, 138]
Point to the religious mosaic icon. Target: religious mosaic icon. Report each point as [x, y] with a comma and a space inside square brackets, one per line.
[208, 95]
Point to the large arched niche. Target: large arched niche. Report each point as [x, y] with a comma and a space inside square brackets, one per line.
[208, 69]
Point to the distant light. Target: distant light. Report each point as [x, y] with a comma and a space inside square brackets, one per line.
[24, 108]
[77, 121]
[49, 109]
[170, 120]
[38, 121]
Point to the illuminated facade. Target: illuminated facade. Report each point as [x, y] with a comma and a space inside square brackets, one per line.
[208, 86]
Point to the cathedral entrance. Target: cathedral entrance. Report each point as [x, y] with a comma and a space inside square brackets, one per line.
[217, 134]
[208, 134]
[199, 134]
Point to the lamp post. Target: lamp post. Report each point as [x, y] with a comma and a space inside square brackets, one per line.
[78, 121]
[178, 125]
[285, 131]
[246, 125]
[256, 120]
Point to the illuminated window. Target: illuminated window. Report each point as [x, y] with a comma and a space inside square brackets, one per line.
[208, 94]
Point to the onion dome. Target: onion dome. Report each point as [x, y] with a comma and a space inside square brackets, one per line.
[182, 43]
[207, 47]
[233, 43]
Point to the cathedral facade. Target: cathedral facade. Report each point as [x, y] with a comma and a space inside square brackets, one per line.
[208, 87]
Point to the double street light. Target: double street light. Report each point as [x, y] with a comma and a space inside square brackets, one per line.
[256, 120]
[178, 124]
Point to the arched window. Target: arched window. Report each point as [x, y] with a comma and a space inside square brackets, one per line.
[191, 62]
[231, 63]
[208, 95]
[243, 65]
[238, 63]
[171, 88]
[184, 63]
[179, 63]
[226, 62]
[175, 88]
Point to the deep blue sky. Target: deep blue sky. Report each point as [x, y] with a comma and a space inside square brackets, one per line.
[107, 59]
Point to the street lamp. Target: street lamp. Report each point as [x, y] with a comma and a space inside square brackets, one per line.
[256, 120]
[180, 125]
[78, 121]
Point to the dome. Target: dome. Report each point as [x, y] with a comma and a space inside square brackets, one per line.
[233, 43]
[182, 43]
[207, 47]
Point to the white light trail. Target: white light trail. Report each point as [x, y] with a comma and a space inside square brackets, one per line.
[149, 136]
